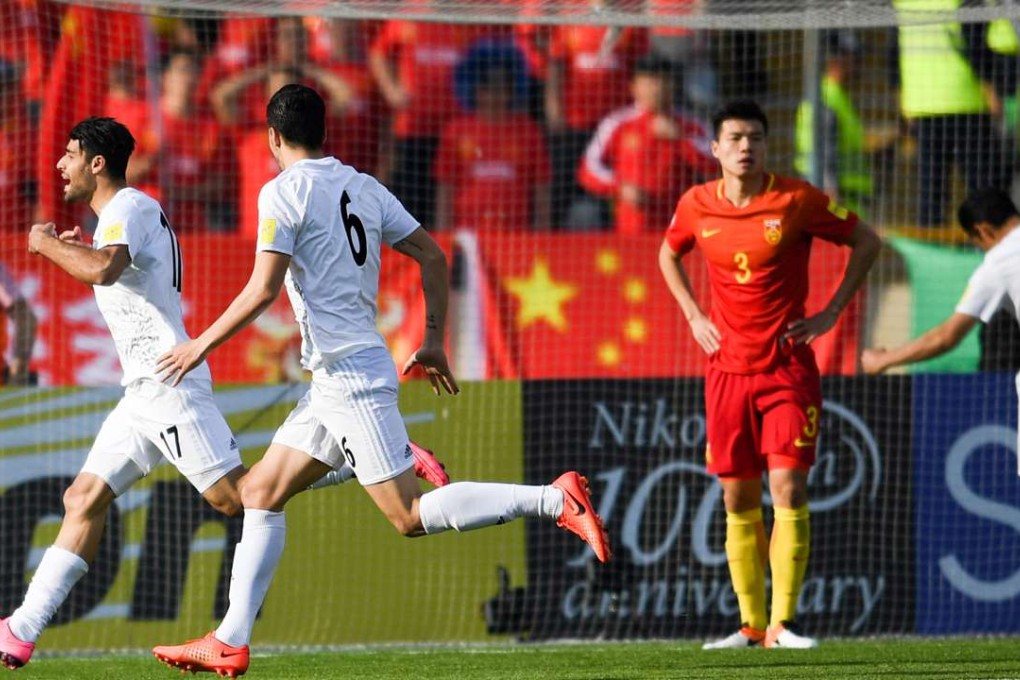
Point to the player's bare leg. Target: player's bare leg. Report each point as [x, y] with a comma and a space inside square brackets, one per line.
[224, 496]
[791, 545]
[464, 506]
[86, 502]
[282, 473]
[746, 551]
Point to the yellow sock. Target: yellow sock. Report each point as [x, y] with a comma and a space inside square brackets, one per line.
[791, 545]
[744, 534]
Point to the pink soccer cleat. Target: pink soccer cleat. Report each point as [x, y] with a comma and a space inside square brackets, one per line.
[205, 655]
[579, 516]
[427, 467]
[14, 653]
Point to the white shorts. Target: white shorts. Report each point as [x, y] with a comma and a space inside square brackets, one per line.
[153, 421]
[350, 412]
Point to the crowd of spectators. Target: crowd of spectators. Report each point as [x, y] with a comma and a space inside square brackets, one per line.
[473, 126]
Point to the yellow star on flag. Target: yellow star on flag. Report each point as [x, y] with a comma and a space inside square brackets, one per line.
[609, 354]
[541, 297]
[607, 262]
[635, 290]
[635, 330]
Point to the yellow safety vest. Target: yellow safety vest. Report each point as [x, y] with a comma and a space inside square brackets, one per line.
[935, 76]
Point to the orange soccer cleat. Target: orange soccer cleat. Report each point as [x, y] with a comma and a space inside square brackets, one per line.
[427, 467]
[207, 655]
[579, 516]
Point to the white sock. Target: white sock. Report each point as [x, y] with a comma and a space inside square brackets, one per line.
[57, 573]
[255, 560]
[334, 477]
[470, 505]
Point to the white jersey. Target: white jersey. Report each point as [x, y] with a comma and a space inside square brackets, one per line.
[143, 307]
[332, 221]
[995, 284]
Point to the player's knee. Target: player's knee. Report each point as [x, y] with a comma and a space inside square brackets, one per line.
[256, 495]
[789, 494]
[83, 500]
[407, 524]
[229, 506]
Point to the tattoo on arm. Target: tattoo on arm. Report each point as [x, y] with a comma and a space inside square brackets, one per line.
[431, 322]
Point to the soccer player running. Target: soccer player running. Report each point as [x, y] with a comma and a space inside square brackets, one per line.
[762, 389]
[990, 219]
[134, 265]
[321, 228]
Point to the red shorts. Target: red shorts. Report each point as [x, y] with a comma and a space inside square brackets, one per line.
[762, 421]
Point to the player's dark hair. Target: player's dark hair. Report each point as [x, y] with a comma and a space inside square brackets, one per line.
[298, 113]
[107, 138]
[990, 206]
[744, 109]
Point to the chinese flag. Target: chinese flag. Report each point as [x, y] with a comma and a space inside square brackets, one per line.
[91, 40]
[595, 306]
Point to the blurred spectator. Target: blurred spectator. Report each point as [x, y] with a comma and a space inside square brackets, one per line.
[951, 113]
[91, 41]
[844, 174]
[248, 127]
[32, 28]
[645, 156]
[492, 167]
[244, 43]
[17, 176]
[688, 51]
[14, 360]
[195, 159]
[127, 102]
[413, 63]
[588, 76]
[353, 123]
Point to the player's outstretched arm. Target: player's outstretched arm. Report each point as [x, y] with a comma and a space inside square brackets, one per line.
[262, 288]
[864, 245]
[704, 331]
[435, 280]
[95, 267]
[932, 343]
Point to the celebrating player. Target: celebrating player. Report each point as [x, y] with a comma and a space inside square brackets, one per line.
[762, 389]
[135, 267]
[321, 228]
[990, 219]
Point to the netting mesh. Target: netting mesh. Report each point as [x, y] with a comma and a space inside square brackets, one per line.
[518, 133]
[696, 14]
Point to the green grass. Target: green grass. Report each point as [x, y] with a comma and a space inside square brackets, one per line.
[883, 658]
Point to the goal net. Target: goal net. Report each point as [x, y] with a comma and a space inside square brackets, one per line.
[544, 144]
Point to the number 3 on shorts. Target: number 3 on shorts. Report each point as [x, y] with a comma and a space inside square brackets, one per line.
[348, 454]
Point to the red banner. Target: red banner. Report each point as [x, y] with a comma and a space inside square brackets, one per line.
[583, 306]
[549, 306]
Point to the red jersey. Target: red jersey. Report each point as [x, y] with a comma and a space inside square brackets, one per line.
[135, 115]
[493, 168]
[17, 146]
[757, 258]
[31, 29]
[597, 66]
[353, 136]
[425, 55]
[629, 148]
[256, 166]
[244, 43]
[194, 159]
